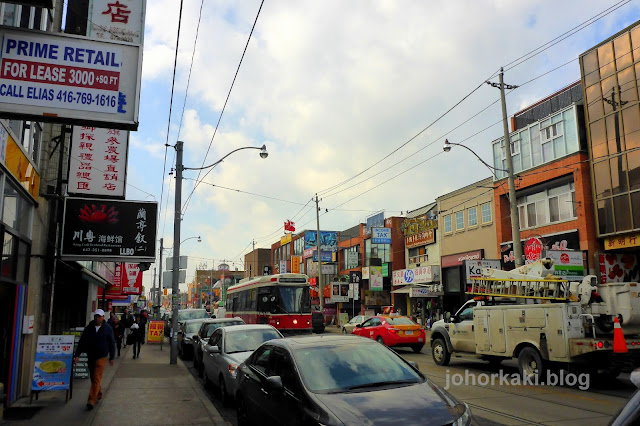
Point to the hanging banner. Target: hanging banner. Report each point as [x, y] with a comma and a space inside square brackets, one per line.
[53, 364]
[98, 162]
[66, 79]
[375, 278]
[129, 277]
[118, 21]
[109, 230]
[365, 272]
[295, 264]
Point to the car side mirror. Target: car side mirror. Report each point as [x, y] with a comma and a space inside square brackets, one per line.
[274, 383]
[447, 317]
[358, 325]
[214, 349]
[414, 365]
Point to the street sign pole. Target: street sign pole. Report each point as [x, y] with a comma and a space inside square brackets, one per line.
[175, 287]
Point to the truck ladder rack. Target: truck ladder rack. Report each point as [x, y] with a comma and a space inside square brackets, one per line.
[540, 289]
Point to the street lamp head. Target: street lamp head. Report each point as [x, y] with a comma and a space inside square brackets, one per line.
[199, 239]
[447, 146]
[263, 152]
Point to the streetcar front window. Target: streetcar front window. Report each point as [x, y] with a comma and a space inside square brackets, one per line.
[294, 300]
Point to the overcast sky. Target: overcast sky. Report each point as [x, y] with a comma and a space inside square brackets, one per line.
[332, 88]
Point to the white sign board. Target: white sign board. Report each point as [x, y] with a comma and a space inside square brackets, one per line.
[69, 79]
[473, 268]
[167, 278]
[431, 291]
[352, 259]
[365, 272]
[183, 263]
[354, 291]
[283, 267]
[412, 276]
[117, 20]
[98, 162]
[381, 235]
[568, 264]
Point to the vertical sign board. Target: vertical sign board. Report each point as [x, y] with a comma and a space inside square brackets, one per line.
[69, 79]
[81, 369]
[283, 266]
[381, 235]
[109, 230]
[53, 364]
[156, 332]
[98, 162]
[115, 20]
[375, 278]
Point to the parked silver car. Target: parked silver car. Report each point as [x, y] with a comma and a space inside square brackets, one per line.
[204, 334]
[229, 347]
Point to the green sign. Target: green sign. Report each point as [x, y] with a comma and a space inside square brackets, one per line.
[385, 269]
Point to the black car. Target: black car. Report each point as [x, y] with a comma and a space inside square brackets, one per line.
[186, 333]
[206, 330]
[317, 322]
[336, 380]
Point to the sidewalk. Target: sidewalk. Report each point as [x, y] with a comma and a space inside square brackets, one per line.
[146, 391]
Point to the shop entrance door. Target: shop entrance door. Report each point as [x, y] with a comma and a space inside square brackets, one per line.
[7, 328]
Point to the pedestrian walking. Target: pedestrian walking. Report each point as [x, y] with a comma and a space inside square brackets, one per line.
[127, 322]
[137, 336]
[112, 315]
[118, 333]
[98, 343]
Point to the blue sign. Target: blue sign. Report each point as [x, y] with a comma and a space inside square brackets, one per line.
[377, 220]
[408, 276]
[327, 256]
[381, 235]
[328, 240]
[54, 361]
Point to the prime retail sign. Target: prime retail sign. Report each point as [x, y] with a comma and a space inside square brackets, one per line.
[67, 79]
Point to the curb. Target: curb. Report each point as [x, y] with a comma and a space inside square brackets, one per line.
[204, 399]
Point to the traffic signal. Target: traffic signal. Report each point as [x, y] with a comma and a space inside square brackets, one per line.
[203, 296]
[216, 291]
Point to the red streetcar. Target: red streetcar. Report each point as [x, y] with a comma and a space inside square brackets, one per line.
[393, 330]
[281, 300]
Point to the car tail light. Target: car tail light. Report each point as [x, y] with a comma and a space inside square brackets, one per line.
[393, 330]
[233, 370]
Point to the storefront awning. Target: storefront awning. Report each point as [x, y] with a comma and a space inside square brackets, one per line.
[403, 290]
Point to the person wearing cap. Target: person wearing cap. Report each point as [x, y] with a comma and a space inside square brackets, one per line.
[98, 342]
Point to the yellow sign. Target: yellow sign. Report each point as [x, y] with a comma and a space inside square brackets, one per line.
[21, 168]
[295, 264]
[625, 241]
[418, 225]
[286, 239]
[156, 332]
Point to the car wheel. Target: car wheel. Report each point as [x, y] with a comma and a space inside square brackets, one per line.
[222, 389]
[380, 340]
[440, 353]
[417, 348]
[241, 411]
[530, 364]
[344, 330]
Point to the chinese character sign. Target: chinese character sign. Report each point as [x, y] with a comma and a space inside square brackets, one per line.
[130, 277]
[117, 20]
[98, 161]
[52, 368]
[156, 332]
[109, 230]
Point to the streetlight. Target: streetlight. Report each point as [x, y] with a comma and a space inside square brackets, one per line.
[191, 238]
[175, 288]
[515, 219]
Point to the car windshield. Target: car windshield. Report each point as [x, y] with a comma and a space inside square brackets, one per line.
[248, 340]
[193, 327]
[216, 325]
[400, 321]
[355, 320]
[331, 369]
[295, 300]
[194, 314]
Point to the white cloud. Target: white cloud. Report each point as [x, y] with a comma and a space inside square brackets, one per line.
[332, 87]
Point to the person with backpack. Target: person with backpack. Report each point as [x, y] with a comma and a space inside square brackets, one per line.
[127, 321]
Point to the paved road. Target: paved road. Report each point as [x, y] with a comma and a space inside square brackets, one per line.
[506, 403]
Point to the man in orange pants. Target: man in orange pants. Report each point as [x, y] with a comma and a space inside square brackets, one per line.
[97, 342]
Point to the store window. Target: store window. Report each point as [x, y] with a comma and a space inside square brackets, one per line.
[380, 251]
[552, 205]
[16, 210]
[473, 216]
[447, 223]
[418, 255]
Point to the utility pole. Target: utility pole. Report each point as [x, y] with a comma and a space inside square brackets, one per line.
[515, 218]
[160, 277]
[320, 287]
[175, 286]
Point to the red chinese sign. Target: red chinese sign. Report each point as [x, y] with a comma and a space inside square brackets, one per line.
[533, 249]
[98, 161]
[420, 239]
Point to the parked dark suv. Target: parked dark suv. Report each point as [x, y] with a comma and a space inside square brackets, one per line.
[317, 322]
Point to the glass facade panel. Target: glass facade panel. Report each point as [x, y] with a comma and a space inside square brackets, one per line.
[591, 70]
[633, 158]
[622, 48]
[536, 149]
[635, 208]
[605, 60]
[9, 17]
[619, 174]
[605, 216]
[23, 262]
[631, 120]
[635, 43]
[473, 216]
[622, 210]
[526, 150]
[486, 213]
[8, 267]
[637, 69]
[614, 134]
[594, 102]
[602, 179]
[447, 223]
[609, 93]
[459, 220]
[627, 83]
[598, 139]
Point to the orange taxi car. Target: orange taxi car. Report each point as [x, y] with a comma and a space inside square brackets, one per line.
[393, 330]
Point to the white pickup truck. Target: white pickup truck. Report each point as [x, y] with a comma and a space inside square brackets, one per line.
[538, 331]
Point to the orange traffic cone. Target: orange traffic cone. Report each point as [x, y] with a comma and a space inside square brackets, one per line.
[619, 344]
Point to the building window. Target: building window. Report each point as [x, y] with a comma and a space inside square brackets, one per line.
[555, 204]
[447, 223]
[418, 255]
[459, 221]
[380, 251]
[473, 216]
[486, 213]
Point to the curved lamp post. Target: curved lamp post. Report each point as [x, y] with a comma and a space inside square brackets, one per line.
[175, 288]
